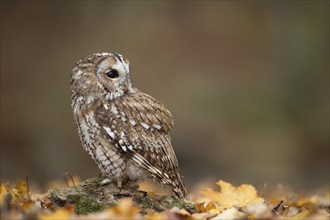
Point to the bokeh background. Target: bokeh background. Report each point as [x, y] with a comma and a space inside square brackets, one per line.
[247, 83]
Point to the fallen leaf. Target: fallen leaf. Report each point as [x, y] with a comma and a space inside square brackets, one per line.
[259, 210]
[155, 216]
[124, 210]
[230, 196]
[201, 207]
[21, 188]
[59, 214]
[3, 193]
[177, 214]
[180, 211]
[231, 213]
[303, 214]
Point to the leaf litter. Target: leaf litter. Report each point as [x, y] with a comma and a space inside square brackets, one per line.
[229, 202]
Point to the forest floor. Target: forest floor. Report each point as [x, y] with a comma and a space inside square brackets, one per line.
[89, 200]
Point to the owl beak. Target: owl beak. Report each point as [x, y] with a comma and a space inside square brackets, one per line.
[125, 86]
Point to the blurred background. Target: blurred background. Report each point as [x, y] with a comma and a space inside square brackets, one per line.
[247, 83]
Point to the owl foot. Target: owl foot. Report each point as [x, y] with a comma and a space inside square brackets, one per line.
[108, 180]
[105, 181]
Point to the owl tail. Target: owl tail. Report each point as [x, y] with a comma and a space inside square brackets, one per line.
[178, 186]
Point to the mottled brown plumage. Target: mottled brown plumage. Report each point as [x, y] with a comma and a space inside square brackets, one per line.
[125, 131]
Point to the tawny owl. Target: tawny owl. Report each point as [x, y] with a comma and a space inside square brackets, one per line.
[124, 130]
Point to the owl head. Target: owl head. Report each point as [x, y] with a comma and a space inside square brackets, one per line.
[101, 74]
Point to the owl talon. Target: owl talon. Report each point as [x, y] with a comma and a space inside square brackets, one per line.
[105, 181]
[119, 184]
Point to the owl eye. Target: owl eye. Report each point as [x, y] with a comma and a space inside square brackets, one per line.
[112, 74]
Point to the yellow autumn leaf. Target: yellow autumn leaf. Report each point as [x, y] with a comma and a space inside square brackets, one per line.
[21, 187]
[303, 214]
[3, 188]
[231, 213]
[125, 210]
[59, 214]
[230, 196]
[155, 216]
[201, 207]
[181, 212]
[305, 201]
[3, 194]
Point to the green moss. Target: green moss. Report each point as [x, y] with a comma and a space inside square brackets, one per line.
[89, 196]
[84, 205]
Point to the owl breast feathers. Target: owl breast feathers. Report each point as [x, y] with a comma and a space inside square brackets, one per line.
[124, 130]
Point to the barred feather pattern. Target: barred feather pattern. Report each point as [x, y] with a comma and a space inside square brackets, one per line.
[125, 131]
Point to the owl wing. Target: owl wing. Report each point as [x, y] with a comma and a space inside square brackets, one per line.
[140, 126]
